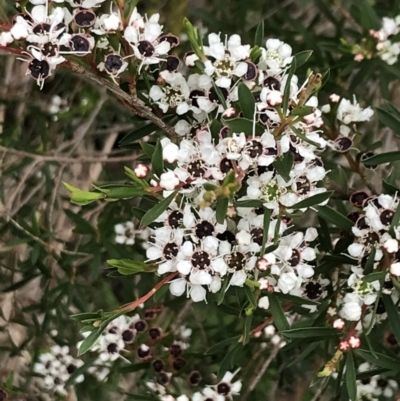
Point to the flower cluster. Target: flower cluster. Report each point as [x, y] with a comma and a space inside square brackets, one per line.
[56, 366]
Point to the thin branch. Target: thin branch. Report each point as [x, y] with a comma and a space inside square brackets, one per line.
[260, 374]
[133, 305]
[46, 246]
[61, 159]
[132, 102]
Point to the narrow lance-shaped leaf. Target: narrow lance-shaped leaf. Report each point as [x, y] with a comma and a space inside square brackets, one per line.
[259, 38]
[246, 101]
[286, 93]
[382, 158]
[351, 382]
[283, 165]
[393, 315]
[333, 216]
[157, 160]
[277, 312]
[313, 200]
[156, 211]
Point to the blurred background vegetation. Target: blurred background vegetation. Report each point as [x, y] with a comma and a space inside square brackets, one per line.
[53, 254]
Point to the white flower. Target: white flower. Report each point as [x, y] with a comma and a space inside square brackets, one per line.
[169, 181]
[391, 245]
[6, 38]
[263, 302]
[289, 281]
[125, 233]
[352, 112]
[395, 269]
[275, 57]
[351, 308]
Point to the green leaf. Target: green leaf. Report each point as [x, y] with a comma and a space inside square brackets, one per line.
[148, 149]
[227, 362]
[266, 223]
[221, 208]
[89, 341]
[278, 314]
[124, 192]
[382, 158]
[81, 225]
[249, 203]
[389, 120]
[286, 93]
[283, 165]
[369, 373]
[80, 371]
[395, 221]
[157, 210]
[128, 266]
[382, 360]
[250, 296]
[302, 57]
[307, 351]
[303, 137]
[82, 198]
[246, 101]
[369, 266]
[301, 112]
[393, 315]
[313, 200]
[247, 328]
[259, 38]
[157, 161]
[308, 332]
[351, 381]
[220, 95]
[296, 300]
[217, 348]
[238, 125]
[332, 216]
[137, 134]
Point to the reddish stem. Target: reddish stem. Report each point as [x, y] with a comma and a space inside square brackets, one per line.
[133, 305]
[269, 320]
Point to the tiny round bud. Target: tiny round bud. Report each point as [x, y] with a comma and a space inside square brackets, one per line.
[178, 363]
[334, 98]
[175, 350]
[354, 342]
[229, 113]
[140, 326]
[274, 98]
[338, 324]
[262, 265]
[158, 365]
[391, 245]
[141, 170]
[154, 333]
[195, 378]
[344, 345]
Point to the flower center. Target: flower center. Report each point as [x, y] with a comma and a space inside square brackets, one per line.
[313, 290]
[235, 261]
[272, 83]
[213, 97]
[146, 49]
[303, 185]
[204, 229]
[196, 169]
[39, 69]
[85, 18]
[201, 260]
[113, 63]
[170, 250]
[49, 49]
[175, 219]
[112, 348]
[295, 259]
[386, 217]
[41, 29]
[225, 165]
[257, 235]
[224, 67]
[271, 191]
[80, 44]
[273, 55]
[223, 388]
[174, 95]
[254, 149]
